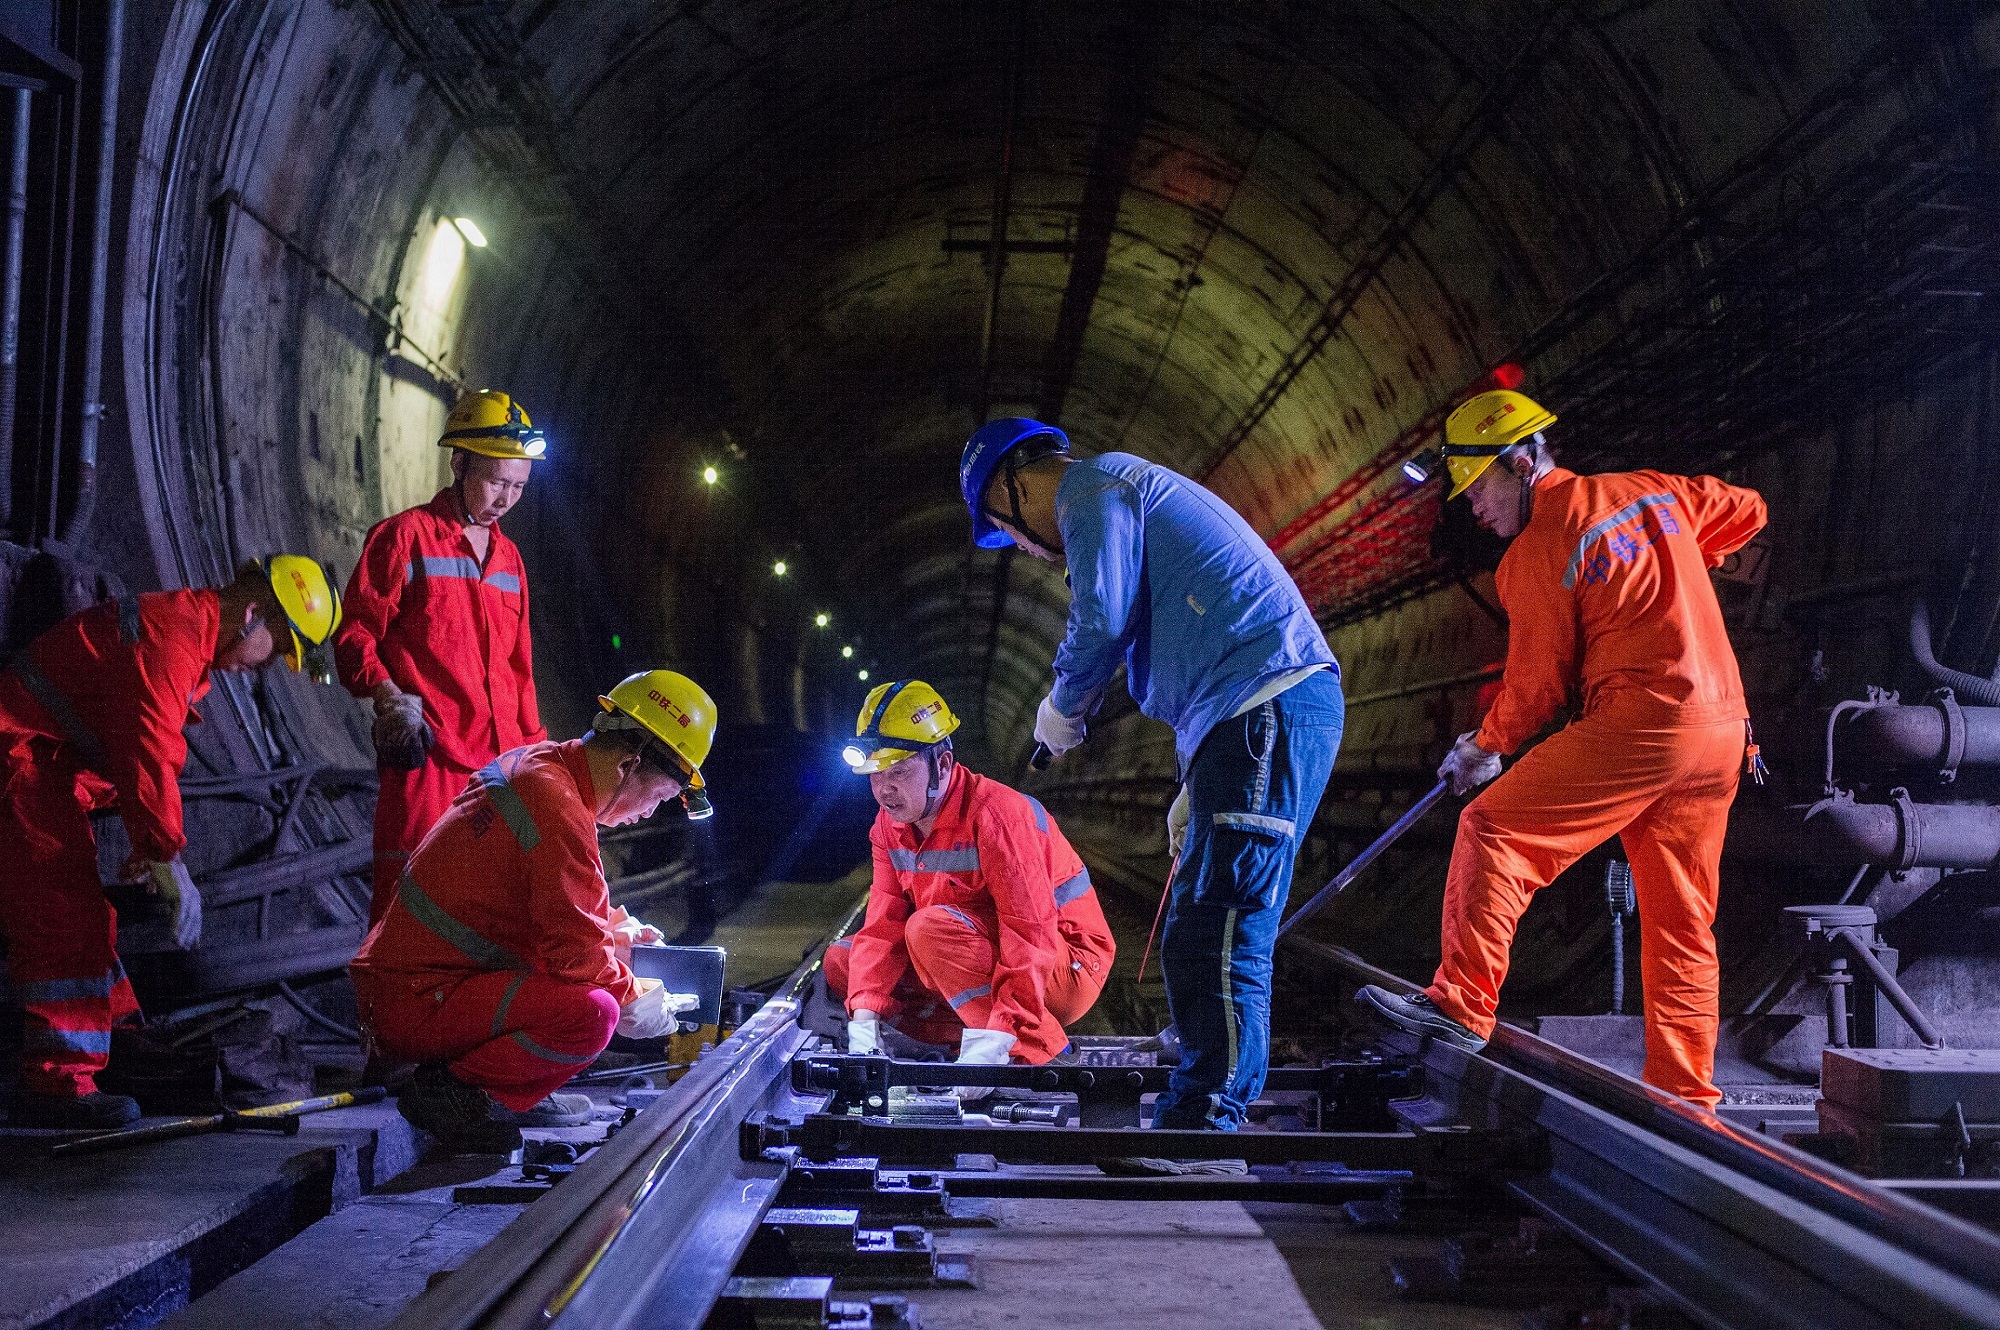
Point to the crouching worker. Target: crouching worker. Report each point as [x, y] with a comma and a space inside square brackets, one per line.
[983, 929]
[500, 967]
[91, 716]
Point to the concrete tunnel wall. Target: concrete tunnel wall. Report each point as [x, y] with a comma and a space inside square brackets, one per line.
[1314, 225]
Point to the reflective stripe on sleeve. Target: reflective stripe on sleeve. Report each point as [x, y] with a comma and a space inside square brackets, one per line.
[1070, 890]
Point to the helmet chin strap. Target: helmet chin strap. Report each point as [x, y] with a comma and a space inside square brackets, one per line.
[1014, 510]
[934, 790]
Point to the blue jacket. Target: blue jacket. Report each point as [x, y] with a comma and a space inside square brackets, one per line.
[1167, 577]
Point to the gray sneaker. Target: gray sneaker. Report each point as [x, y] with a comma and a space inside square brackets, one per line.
[1419, 1015]
[556, 1110]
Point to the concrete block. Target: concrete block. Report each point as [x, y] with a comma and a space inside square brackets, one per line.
[1913, 1084]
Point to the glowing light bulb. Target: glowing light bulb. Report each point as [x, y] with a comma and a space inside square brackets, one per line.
[778, 568]
[709, 475]
[847, 653]
[821, 621]
[470, 230]
[861, 675]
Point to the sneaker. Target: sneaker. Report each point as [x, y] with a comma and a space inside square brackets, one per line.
[96, 1111]
[558, 1110]
[458, 1114]
[1146, 1166]
[1419, 1015]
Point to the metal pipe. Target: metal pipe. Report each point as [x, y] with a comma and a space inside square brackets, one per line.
[1840, 832]
[10, 300]
[1969, 687]
[1908, 736]
[1857, 942]
[100, 262]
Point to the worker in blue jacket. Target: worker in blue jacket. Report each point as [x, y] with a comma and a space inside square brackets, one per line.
[1218, 643]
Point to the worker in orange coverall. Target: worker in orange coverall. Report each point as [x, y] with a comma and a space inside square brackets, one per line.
[983, 929]
[501, 967]
[91, 716]
[437, 631]
[1609, 602]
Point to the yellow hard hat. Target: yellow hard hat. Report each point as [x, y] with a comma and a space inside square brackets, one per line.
[1485, 425]
[492, 424]
[673, 709]
[306, 592]
[897, 720]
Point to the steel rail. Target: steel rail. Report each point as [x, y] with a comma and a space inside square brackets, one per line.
[1737, 1229]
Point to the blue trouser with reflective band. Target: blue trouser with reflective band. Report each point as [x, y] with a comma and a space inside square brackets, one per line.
[1253, 788]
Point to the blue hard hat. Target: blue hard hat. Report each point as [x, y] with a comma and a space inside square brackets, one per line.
[983, 452]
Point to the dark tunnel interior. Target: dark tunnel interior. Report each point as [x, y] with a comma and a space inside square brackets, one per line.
[759, 268]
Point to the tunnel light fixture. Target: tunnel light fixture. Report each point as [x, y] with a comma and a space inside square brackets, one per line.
[821, 620]
[847, 653]
[709, 475]
[861, 675]
[778, 568]
[470, 230]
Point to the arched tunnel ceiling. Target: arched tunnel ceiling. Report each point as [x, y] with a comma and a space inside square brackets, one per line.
[1257, 242]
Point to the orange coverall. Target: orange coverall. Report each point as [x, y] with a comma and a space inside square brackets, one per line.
[423, 612]
[1608, 599]
[991, 915]
[496, 953]
[129, 673]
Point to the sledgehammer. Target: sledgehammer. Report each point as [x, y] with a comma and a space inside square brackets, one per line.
[280, 1118]
[1366, 857]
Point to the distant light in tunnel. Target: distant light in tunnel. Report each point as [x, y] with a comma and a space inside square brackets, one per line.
[821, 620]
[470, 230]
[778, 568]
[709, 475]
[847, 653]
[861, 675]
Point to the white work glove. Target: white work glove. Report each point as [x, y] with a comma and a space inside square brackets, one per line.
[982, 1048]
[402, 737]
[173, 887]
[1468, 766]
[653, 1013]
[627, 932]
[864, 1032]
[1055, 731]
[1177, 823]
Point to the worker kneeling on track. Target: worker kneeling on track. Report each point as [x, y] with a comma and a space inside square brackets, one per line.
[91, 716]
[501, 967]
[983, 929]
[1608, 598]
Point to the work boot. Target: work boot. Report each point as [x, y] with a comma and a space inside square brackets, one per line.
[96, 1111]
[458, 1114]
[1147, 1166]
[1419, 1015]
[557, 1110]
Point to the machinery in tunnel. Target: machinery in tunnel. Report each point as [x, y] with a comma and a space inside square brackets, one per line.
[761, 269]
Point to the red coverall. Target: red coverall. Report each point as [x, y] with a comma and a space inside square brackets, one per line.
[496, 951]
[422, 611]
[992, 915]
[129, 672]
[1607, 596]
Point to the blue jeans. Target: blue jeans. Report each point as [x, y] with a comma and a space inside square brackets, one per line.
[1253, 788]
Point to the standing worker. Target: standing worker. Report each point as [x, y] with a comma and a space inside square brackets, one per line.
[91, 717]
[500, 966]
[1218, 643]
[1608, 599]
[437, 631]
[983, 929]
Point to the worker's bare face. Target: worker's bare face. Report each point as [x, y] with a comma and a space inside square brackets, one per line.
[254, 648]
[492, 485]
[1496, 500]
[641, 790]
[904, 789]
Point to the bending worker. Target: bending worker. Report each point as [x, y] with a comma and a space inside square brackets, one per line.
[500, 967]
[1218, 643]
[983, 929]
[91, 716]
[437, 631]
[1608, 599]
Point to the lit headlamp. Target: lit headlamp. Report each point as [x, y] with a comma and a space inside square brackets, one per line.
[694, 799]
[1423, 466]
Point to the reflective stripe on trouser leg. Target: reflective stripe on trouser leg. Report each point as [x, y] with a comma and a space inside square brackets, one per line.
[60, 936]
[550, 1030]
[911, 1008]
[408, 804]
[954, 956]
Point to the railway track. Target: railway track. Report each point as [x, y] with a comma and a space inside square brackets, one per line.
[756, 1150]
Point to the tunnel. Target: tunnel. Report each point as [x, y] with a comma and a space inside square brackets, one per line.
[759, 269]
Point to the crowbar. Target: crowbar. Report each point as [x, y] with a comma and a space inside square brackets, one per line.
[280, 1118]
[1346, 876]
